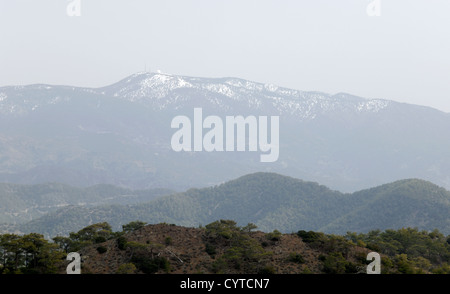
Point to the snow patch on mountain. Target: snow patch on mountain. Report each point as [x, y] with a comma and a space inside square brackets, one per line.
[374, 105]
[156, 86]
[162, 91]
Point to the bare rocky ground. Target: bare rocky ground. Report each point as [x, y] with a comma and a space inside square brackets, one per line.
[185, 249]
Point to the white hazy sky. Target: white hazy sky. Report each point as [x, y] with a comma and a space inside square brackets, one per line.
[322, 45]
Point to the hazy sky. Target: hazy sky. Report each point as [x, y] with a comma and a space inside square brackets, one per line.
[322, 45]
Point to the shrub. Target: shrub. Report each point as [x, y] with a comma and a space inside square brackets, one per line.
[274, 236]
[99, 239]
[308, 237]
[306, 271]
[121, 243]
[168, 241]
[101, 249]
[296, 257]
[443, 269]
[267, 270]
[133, 226]
[334, 263]
[210, 249]
[151, 265]
[224, 228]
[126, 268]
[219, 266]
[374, 247]
[351, 268]
[404, 265]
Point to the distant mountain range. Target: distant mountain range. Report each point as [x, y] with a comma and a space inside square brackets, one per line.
[22, 203]
[272, 202]
[120, 135]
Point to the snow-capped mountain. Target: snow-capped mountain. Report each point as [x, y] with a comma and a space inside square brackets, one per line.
[120, 134]
[161, 91]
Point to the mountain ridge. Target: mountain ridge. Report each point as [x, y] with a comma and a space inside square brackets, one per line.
[158, 85]
[87, 136]
[22, 203]
[272, 201]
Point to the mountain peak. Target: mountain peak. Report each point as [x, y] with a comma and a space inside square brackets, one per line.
[163, 90]
[158, 91]
[146, 85]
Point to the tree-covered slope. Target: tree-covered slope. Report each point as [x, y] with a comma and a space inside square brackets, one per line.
[22, 203]
[272, 201]
[222, 247]
[405, 203]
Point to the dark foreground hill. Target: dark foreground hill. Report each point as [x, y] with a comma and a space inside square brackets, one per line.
[222, 247]
[219, 247]
[272, 201]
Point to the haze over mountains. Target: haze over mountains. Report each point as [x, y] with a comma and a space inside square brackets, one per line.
[271, 201]
[22, 203]
[120, 134]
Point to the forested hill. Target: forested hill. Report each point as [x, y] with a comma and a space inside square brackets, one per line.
[405, 203]
[222, 247]
[22, 203]
[272, 201]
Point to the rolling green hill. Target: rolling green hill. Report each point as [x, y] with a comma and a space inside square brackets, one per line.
[405, 203]
[272, 201]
